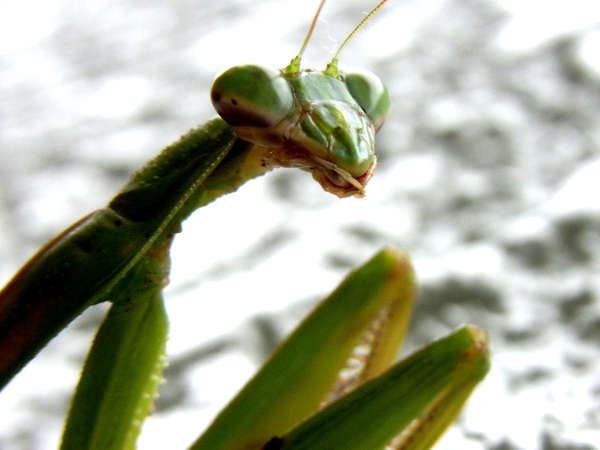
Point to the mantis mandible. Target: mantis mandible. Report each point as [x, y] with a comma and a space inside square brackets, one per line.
[323, 122]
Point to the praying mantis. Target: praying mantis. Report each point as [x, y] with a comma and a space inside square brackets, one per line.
[327, 385]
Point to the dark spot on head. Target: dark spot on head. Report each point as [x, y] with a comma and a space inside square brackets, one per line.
[233, 101]
[117, 223]
[86, 246]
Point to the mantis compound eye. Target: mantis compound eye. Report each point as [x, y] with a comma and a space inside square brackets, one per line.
[371, 94]
[252, 96]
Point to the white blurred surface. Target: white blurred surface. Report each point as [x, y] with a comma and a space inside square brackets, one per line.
[488, 176]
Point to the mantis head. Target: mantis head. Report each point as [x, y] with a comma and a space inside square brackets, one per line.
[323, 122]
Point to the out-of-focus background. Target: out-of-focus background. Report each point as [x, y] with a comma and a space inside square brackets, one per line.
[489, 176]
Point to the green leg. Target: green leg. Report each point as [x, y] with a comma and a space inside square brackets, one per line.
[362, 321]
[416, 400]
[124, 366]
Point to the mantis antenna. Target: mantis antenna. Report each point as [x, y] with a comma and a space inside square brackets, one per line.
[332, 67]
[294, 65]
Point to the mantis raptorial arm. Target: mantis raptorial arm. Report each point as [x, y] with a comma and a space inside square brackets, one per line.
[83, 265]
[349, 340]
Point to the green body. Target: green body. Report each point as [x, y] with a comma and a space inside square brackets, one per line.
[82, 265]
[321, 122]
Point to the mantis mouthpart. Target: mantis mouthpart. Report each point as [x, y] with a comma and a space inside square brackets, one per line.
[330, 384]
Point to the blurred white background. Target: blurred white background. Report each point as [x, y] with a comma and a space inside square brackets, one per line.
[489, 175]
